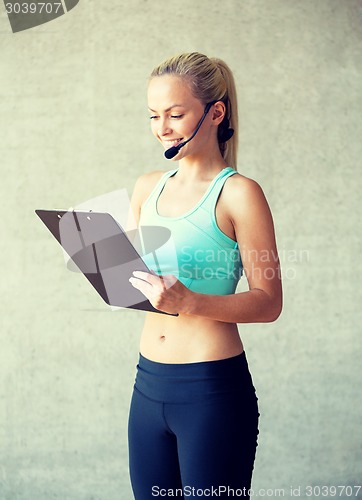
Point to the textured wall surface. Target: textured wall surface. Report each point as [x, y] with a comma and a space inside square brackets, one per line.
[74, 126]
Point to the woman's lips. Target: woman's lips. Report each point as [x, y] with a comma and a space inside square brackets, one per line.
[170, 144]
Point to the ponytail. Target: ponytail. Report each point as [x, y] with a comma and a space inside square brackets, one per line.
[229, 149]
[210, 79]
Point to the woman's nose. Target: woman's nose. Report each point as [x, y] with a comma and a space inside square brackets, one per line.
[164, 127]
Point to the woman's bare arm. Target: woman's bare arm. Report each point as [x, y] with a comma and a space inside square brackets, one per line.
[254, 231]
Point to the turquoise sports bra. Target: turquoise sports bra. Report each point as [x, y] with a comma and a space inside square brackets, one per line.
[197, 252]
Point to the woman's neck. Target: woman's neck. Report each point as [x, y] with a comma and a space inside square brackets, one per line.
[201, 167]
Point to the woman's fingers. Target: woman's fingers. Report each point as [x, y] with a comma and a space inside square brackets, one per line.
[152, 279]
[157, 289]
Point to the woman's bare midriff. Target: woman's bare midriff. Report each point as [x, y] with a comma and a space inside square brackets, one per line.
[188, 339]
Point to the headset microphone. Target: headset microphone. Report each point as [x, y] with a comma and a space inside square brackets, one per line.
[172, 152]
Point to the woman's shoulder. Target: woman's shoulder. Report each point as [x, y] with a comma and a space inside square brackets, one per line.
[149, 177]
[242, 191]
[145, 184]
[239, 183]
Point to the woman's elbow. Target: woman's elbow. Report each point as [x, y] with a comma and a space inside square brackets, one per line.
[272, 307]
[275, 310]
[275, 315]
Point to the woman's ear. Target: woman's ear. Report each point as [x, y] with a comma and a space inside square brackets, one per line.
[218, 113]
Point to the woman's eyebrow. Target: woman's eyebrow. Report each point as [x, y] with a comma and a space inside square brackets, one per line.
[168, 109]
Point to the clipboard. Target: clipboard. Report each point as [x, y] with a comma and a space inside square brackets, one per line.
[100, 249]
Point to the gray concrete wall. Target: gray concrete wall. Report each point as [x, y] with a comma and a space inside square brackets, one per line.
[74, 127]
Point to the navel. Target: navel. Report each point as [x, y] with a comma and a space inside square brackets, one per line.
[162, 338]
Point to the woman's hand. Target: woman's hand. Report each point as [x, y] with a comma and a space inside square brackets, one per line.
[166, 293]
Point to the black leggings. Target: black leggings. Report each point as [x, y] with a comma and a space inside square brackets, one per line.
[193, 429]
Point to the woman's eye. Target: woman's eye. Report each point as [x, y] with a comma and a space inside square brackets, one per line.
[176, 117]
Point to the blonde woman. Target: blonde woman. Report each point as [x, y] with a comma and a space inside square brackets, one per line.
[193, 421]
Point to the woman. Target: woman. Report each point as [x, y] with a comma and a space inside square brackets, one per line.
[193, 422]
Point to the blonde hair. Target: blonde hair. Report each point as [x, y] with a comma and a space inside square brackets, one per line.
[210, 79]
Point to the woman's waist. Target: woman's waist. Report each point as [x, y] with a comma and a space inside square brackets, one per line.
[184, 382]
[186, 340]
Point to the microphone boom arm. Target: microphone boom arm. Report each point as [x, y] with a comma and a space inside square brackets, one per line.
[172, 152]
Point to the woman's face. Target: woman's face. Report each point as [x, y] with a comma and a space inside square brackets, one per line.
[175, 113]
